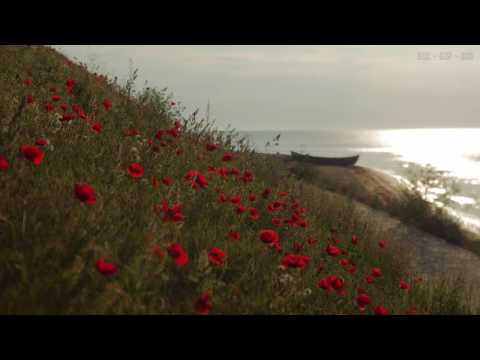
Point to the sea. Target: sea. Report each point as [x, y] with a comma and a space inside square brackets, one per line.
[396, 152]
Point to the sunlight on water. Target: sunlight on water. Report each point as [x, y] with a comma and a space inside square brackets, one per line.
[452, 150]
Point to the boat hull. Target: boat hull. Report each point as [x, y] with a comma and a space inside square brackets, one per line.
[345, 161]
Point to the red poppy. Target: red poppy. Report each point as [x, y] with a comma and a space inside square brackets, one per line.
[216, 256]
[344, 262]
[338, 284]
[136, 170]
[228, 156]
[70, 83]
[295, 261]
[235, 235]
[234, 171]
[167, 180]
[56, 98]
[222, 197]
[252, 197]
[97, 127]
[64, 107]
[50, 107]
[158, 251]
[28, 82]
[3, 163]
[107, 104]
[172, 214]
[404, 285]
[276, 221]
[370, 279]
[32, 153]
[376, 272]
[196, 179]
[154, 181]
[105, 268]
[363, 300]
[240, 208]
[211, 147]
[269, 236]
[354, 239]
[29, 99]
[41, 142]
[236, 199]
[85, 193]
[381, 310]
[254, 214]
[266, 193]
[247, 176]
[203, 305]
[382, 243]
[178, 253]
[332, 250]
[327, 283]
[283, 194]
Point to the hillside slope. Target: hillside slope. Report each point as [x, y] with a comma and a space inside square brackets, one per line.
[115, 202]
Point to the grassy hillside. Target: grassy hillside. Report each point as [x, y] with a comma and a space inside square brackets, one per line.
[115, 203]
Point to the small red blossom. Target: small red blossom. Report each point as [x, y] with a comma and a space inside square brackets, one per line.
[354, 239]
[370, 279]
[381, 310]
[41, 142]
[222, 198]
[107, 104]
[203, 305]
[228, 156]
[252, 197]
[32, 153]
[70, 83]
[56, 98]
[28, 82]
[266, 193]
[404, 285]
[216, 256]
[49, 107]
[211, 147]
[167, 180]
[295, 261]
[376, 272]
[136, 170]
[173, 213]
[3, 163]
[234, 235]
[269, 236]
[85, 193]
[276, 221]
[178, 253]
[97, 127]
[332, 250]
[382, 244]
[344, 262]
[105, 268]
[29, 99]
[154, 182]
[363, 300]
[254, 214]
[196, 179]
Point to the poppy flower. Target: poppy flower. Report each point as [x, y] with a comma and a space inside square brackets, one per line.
[196, 179]
[178, 253]
[404, 285]
[154, 181]
[107, 104]
[228, 156]
[32, 153]
[97, 127]
[105, 268]
[41, 142]
[158, 251]
[3, 163]
[276, 221]
[172, 214]
[376, 272]
[167, 180]
[332, 250]
[56, 98]
[136, 170]
[236, 199]
[85, 193]
[363, 300]
[283, 194]
[266, 193]
[381, 243]
[234, 171]
[269, 236]
[252, 197]
[344, 262]
[222, 197]
[338, 283]
[380, 310]
[234, 235]
[327, 282]
[64, 107]
[28, 82]
[70, 83]
[240, 208]
[354, 239]
[370, 279]
[254, 214]
[50, 107]
[247, 176]
[203, 305]
[29, 99]
[211, 147]
[295, 261]
[216, 256]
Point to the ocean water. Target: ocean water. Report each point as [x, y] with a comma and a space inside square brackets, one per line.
[456, 151]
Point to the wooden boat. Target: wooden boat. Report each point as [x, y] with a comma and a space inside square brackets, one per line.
[344, 161]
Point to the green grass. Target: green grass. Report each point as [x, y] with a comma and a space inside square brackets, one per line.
[50, 241]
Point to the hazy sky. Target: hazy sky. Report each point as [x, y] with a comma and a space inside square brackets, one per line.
[307, 87]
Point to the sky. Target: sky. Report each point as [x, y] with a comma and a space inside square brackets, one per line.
[307, 88]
